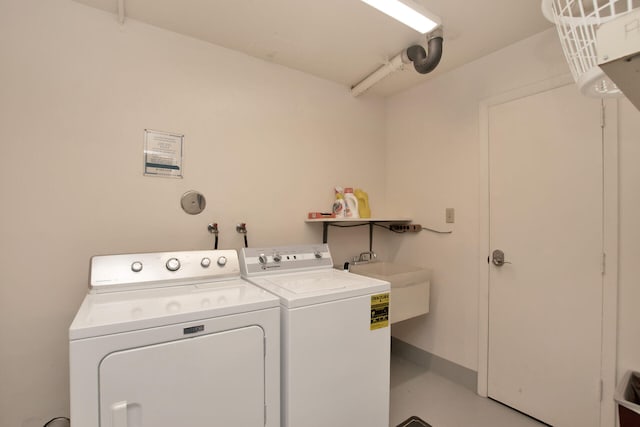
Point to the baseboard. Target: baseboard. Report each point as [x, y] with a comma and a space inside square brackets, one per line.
[460, 375]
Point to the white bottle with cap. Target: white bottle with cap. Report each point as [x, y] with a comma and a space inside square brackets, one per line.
[351, 203]
[339, 206]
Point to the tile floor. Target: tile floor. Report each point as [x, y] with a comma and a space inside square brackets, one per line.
[443, 403]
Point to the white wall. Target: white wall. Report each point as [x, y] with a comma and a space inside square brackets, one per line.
[263, 143]
[437, 123]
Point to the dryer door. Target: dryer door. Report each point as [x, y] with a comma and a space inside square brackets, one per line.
[209, 380]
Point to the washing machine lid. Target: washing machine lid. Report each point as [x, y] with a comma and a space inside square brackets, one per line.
[116, 312]
[301, 289]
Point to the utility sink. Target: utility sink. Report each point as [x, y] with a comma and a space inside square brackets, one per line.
[409, 287]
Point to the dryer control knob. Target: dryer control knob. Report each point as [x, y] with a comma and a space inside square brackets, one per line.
[277, 257]
[222, 261]
[317, 254]
[136, 267]
[206, 262]
[173, 264]
[262, 259]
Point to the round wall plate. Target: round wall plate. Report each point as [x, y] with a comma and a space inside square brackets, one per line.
[193, 202]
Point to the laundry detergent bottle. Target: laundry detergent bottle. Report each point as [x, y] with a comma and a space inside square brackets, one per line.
[339, 206]
[351, 203]
[363, 203]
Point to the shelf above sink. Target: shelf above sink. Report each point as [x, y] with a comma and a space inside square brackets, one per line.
[363, 220]
[371, 221]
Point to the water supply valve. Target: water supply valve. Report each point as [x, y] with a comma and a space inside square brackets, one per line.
[242, 229]
[213, 228]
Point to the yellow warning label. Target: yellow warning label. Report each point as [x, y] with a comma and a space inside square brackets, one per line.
[379, 311]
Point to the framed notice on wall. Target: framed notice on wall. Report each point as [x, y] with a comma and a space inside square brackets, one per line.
[163, 154]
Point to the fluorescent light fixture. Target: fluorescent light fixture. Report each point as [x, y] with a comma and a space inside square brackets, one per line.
[408, 15]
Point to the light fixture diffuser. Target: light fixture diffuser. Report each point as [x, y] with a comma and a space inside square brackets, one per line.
[406, 14]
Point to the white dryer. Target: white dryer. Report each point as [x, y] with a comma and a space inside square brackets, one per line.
[174, 339]
[335, 337]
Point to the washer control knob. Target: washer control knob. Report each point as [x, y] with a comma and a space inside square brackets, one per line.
[206, 262]
[173, 264]
[222, 261]
[136, 267]
[262, 259]
[277, 257]
[317, 254]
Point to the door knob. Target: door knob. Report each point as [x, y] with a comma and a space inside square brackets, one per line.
[497, 258]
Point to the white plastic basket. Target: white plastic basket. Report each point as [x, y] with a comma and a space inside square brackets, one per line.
[577, 22]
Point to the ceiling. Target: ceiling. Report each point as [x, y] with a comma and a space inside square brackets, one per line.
[340, 40]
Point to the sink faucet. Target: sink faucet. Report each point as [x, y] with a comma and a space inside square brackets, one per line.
[365, 257]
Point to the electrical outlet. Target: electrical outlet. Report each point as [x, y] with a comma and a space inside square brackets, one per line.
[450, 215]
[406, 228]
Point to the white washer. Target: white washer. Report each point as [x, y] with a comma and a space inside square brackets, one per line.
[174, 339]
[335, 337]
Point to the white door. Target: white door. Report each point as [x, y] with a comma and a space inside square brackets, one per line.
[546, 214]
[210, 380]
